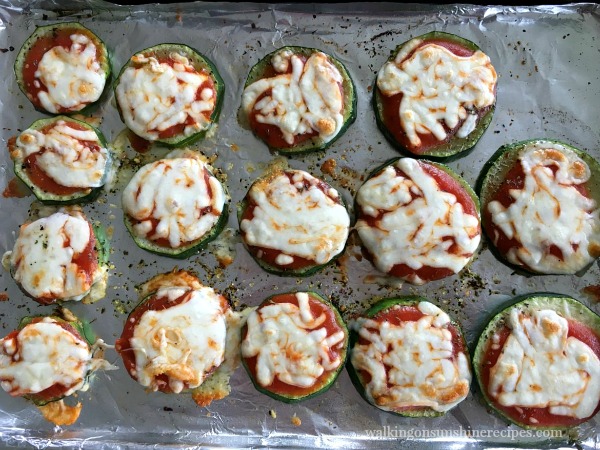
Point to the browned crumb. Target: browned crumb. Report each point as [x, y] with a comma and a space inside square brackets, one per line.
[60, 413]
[296, 420]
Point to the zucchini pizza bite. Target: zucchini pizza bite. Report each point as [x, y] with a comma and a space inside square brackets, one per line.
[176, 337]
[538, 362]
[62, 68]
[409, 358]
[540, 206]
[59, 258]
[48, 358]
[418, 220]
[62, 160]
[293, 223]
[298, 99]
[294, 346]
[436, 95]
[170, 94]
[175, 206]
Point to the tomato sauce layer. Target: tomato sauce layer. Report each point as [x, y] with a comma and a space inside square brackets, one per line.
[390, 108]
[541, 416]
[515, 179]
[57, 38]
[331, 325]
[396, 316]
[269, 255]
[446, 183]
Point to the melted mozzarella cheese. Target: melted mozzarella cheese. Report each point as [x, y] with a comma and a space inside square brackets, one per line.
[412, 364]
[73, 77]
[438, 88]
[42, 261]
[541, 367]
[550, 211]
[185, 342]
[43, 354]
[305, 100]
[296, 220]
[290, 343]
[62, 155]
[174, 193]
[417, 221]
[154, 96]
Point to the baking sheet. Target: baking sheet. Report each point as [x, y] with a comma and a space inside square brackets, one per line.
[548, 64]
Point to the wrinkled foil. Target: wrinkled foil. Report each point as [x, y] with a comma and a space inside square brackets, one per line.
[548, 65]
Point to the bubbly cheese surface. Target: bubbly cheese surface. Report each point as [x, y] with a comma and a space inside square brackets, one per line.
[438, 88]
[70, 157]
[550, 211]
[185, 342]
[43, 260]
[155, 96]
[416, 223]
[41, 355]
[73, 77]
[412, 364]
[542, 367]
[307, 99]
[290, 344]
[295, 219]
[176, 195]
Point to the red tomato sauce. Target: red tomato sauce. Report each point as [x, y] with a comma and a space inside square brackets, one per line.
[331, 325]
[40, 178]
[164, 242]
[206, 84]
[86, 261]
[57, 389]
[137, 143]
[397, 316]
[272, 134]
[541, 416]
[391, 108]
[448, 184]
[58, 38]
[515, 179]
[269, 255]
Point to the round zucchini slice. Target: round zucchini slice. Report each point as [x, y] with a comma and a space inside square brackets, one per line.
[59, 258]
[385, 367]
[188, 321]
[175, 206]
[298, 100]
[62, 160]
[170, 94]
[538, 362]
[47, 358]
[418, 220]
[62, 68]
[435, 96]
[294, 346]
[292, 223]
[539, 203]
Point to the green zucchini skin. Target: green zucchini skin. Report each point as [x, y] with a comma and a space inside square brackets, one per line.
[49, 30]
[564, 305]
[48, 198]
[350, 100]
[332, 377]
[80, 326]
[382, 306]
[200, 63]
[454, 147]
[497, 167]
[303, 272]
